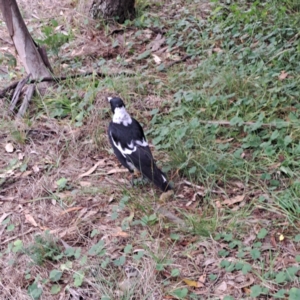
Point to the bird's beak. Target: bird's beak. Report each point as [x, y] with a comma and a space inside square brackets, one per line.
[109, 98]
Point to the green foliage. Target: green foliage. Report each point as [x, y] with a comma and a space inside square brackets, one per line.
[44, 248]
[53, 38]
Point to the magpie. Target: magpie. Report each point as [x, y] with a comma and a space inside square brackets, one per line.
[128, 141]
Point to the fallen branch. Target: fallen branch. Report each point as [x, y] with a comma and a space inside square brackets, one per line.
[58, 79]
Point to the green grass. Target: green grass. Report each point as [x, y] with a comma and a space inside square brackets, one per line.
[225, 128]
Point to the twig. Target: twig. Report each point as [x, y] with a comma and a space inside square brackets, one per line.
[16, 236]
[25, 103]
[60, 78]
[17, 92]
[177, 61]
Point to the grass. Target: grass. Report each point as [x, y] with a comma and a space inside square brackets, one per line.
[224, 124]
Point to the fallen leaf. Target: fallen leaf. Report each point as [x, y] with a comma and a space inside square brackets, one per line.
[217, 50]
[166, 196]
[157, 59]
[71, 209]
[9, 148]
[233, 200]
[85, 183]
[35, 169]
[21, 156]
[157, 43]
[201, 280]
[283, 75]
[121, 234]
[91, 170]
[222, 287]
[219, 141]
[116, 170]
[191, 283]
[29, 218]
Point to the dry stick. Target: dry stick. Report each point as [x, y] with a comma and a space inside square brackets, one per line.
[60, 78]
[17, 92]
[25, 103]
[17, 236]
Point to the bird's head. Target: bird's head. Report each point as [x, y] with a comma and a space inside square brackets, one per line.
[115, 102]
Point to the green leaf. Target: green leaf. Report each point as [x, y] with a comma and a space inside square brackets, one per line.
[228, 298]
[280, 294]
[294, 294]
[297, 238]
[255, 253]
[256, 290]
[127, 248]
[10, 227]
[94, 232]
[55, 275]
[61, 183]
[281, 277]
[246, 268]
[212, 277]
[55, 289]
[174, 236]
[97, 249]
[78, 278]
[297, 258]
[262, 233]
[120, 261]
[18, 246]
[175, 272]
[287, 140]
[139, 255]
[144, 55]
[34, 291]
[180, 293]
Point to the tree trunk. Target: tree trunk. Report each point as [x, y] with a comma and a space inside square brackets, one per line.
[33, 57]
[24, 44]
[120, 10]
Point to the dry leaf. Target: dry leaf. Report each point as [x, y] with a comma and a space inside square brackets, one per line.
[121, 234]
[29, 218]
[157, 59]
[156, 44]
[283, 75]
[71, 209]
[91, 170]
[85, 183]
[166, 196]
[217, 50]
[191, 283]
[21, 156]
[222, 287]
[116, 170]
[219, 141]
[202, 280]
[35, 169]
[233, 200]
[9, 148]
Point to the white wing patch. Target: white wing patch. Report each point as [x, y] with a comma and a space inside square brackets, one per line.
[142, 143]
[125, 151]
[164, 178]
[121, 116]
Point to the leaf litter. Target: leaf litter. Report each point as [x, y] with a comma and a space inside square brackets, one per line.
[75, 218]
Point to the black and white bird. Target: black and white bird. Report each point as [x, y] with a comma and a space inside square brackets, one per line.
[127, 138]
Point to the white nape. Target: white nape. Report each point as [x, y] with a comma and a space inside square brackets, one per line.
[121, 116]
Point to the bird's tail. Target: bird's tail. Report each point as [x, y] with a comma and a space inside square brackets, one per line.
[155, 175]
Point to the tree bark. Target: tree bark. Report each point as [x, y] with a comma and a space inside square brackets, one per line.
[120, 10]
[32, 57]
